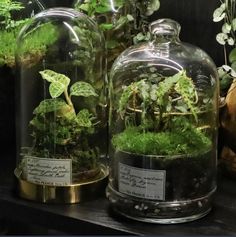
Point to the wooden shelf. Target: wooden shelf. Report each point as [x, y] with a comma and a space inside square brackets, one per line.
[96, 217]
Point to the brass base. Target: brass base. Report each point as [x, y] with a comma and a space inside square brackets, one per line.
[74, 193]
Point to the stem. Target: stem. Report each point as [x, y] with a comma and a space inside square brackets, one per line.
[68, 99]
[225, 56]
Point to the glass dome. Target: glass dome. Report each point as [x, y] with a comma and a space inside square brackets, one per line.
[116, 19]
[163, 129]
[61, 99]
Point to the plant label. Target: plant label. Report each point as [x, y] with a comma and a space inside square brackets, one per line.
[45, 171]
[142, 183]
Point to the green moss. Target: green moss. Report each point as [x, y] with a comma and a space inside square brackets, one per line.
[34, 46]
[176, 141]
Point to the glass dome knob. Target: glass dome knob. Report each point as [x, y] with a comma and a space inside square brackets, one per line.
[167, 29]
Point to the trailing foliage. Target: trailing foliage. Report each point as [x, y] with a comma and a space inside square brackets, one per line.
[176, 93]
[58, 130]
[226, 13]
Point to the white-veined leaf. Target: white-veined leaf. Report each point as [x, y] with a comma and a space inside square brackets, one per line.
[221, 38]
[219, 13]
[59, 82]
[226, 28]
[234, 24]
[50, 105]
[84, 118]
[81, 88]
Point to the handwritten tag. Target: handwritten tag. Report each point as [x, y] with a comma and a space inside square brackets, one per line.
[137, 182]
[45, 171]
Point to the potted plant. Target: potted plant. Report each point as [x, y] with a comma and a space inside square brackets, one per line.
[61, 132]
[62, 128]
[163, 131]
[226, 13]
[162, 123]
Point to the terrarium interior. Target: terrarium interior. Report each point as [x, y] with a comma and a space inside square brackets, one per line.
[163, 127]
[61, 97]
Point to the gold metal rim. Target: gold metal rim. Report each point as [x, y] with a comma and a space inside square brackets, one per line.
[75, 193]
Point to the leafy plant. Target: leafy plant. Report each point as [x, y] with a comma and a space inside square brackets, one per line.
[111, 21]
[226, 13]
[144, 10]
[160, 114]
[58, 130]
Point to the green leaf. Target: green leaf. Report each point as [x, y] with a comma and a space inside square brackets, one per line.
[35, 122]
[59, 82]
[233, 65]
[103, 9]
[81, 88]
[230, 41]
[153, 6]
[106, 26]
[130, 17]
[233, 23]
[232, 55]
[56, 89]
[226, 28]
[219, 13]
[221, 38]
[84, 118]
[84, 7]
[50, 105]
[111, 44]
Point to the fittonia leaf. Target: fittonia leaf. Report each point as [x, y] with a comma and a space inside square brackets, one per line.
[81, 88]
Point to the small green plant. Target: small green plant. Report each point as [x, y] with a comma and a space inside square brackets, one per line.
[58, 130]
[226, 13]
[160, 114]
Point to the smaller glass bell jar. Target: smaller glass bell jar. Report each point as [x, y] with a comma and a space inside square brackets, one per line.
[163, 129]
[61, 107]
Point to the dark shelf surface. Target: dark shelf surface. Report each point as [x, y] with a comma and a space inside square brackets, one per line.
[96, 217]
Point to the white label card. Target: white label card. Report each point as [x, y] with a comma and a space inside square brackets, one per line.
[57, 172]
[142, 183]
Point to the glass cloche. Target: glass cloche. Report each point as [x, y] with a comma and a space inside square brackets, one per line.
[163, 129]
[61, 106]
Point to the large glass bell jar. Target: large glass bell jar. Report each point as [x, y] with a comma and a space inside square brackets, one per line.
[61, 107]
[163, 129]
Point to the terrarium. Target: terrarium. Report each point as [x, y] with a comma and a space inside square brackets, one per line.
[115, 18]
[61, 108]
[163, 129]
[13, 15]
